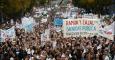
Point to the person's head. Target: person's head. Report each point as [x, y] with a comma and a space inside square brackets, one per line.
[105, 51]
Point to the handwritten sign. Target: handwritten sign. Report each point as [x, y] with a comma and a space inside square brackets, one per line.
[80, 27]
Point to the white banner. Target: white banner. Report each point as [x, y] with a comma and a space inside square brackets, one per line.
[80, 27]
[28, 23]
[108, 31]
[7, 34]
[106, 34]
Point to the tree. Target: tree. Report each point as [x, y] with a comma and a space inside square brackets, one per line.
[43, 2]
[97, 6]
[17, 8]
[14, 8]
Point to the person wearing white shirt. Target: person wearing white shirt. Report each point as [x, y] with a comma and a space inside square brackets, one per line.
[12, 22]
[28, 51]
[48, 59]
[114, 57]
[106, 58]
[31, 58]
[32, 51]
[37, 57]
[54, 44]
[11, 58]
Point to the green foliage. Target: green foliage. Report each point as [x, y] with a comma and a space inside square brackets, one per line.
[95, 5]
[43, 2]
[15, 8]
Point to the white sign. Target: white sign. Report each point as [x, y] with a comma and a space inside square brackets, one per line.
[47, 34]
[28, 23]
[107, 32]
[7, 34]
[80, 27]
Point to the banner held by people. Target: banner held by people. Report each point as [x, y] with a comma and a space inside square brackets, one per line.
[80, 27]
[28, 26]
[8, 34]
[107, 32]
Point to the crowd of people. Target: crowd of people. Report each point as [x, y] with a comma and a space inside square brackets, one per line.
[28, 46]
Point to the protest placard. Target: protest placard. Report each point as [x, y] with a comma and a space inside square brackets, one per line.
[7, 34]
[58, 21]
[43, 39]
[80, 27]
[47, 34]
[28, 23]
[107, 32]
[29, 28]
[44, 20]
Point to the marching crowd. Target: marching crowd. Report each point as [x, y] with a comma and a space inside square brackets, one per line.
[28, 46]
